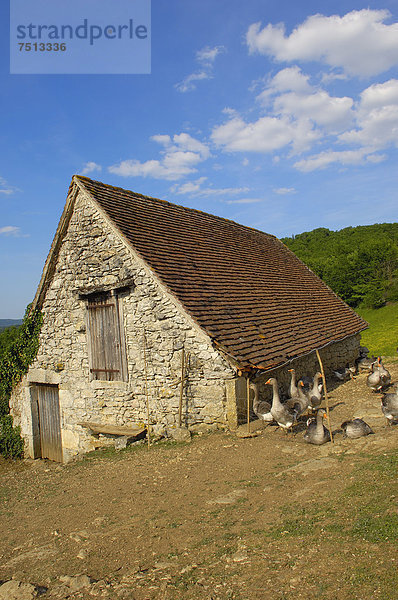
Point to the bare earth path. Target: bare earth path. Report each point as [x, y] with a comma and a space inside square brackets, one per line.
[221, 517]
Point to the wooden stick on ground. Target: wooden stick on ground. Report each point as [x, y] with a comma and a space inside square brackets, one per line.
[248, 403]
[326, 395]
[148, 434]
[182, 387]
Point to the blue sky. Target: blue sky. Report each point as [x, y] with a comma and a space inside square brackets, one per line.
[279, 115]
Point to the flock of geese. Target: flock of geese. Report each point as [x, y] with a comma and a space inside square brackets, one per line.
[306, 396]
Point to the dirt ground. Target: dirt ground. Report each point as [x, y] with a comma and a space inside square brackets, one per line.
[217, 518]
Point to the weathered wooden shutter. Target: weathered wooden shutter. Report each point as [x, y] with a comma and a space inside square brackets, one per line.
[105, 338]
[46, 399]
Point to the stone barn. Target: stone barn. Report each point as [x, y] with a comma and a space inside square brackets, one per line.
[155, 310]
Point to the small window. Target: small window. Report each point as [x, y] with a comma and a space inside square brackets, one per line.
[107, 348]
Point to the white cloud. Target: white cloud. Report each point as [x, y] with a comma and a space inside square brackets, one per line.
[188, 84]
[180, 156]
[205, 58]
[377, 117]
[245, 201]
[331, 113]
[6, 189]
[291, 79]
[208, 55]
[282, 191]
[10, 230]
[194, 188]
[290, 94]
[342, 157]
[267, 134]
[91, 167]
[360, 42]
[328, 77]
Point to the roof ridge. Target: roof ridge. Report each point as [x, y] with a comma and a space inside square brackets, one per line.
[187, 208]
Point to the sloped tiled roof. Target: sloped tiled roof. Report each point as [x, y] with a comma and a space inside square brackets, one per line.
[254, 298]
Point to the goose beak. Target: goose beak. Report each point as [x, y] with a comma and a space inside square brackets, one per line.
[269, 381]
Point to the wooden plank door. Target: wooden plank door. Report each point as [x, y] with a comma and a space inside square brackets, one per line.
[49, 421]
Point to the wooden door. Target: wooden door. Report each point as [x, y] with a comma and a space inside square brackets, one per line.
[49, 421]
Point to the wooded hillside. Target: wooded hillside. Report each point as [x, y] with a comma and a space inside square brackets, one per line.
[360, 263]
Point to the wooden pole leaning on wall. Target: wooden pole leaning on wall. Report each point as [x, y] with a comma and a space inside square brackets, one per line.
[148, 432]
[182, 387]
[326, 395]
[248, 402]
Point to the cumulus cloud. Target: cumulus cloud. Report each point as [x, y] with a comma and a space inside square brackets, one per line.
[266, 134]
[291, 79]
[90, 167]
[301, 115]
[205, 58]
[289, 93]
[332, 113]
[377, 117]
[180, 156]
[359, 43]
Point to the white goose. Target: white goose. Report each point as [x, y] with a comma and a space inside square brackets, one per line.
[283, 415]
[262, 408]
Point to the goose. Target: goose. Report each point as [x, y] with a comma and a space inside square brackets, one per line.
[262, 408]
[344, 373]
[314, 396]
[389, 406]
[365, 363]
[379, 377]
[316, 432]
[355, 428]
[282, 414]
[298, 403]
[293, 387]
[384, 374]
[307, 382]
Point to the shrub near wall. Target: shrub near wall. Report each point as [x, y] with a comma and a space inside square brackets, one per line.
[14, 363]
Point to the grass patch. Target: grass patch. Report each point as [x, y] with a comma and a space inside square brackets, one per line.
[297, 527]
[382, 335]
[365, 510]
[111, 453]
[376, 528]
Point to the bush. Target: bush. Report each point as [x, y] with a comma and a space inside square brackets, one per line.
[11, 443]
[14, 363]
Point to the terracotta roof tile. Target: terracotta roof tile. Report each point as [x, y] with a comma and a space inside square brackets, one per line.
[248, 291]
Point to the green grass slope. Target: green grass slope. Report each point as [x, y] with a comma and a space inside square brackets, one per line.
[382, 336]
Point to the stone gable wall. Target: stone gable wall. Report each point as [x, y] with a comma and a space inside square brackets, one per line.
[92, 255]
